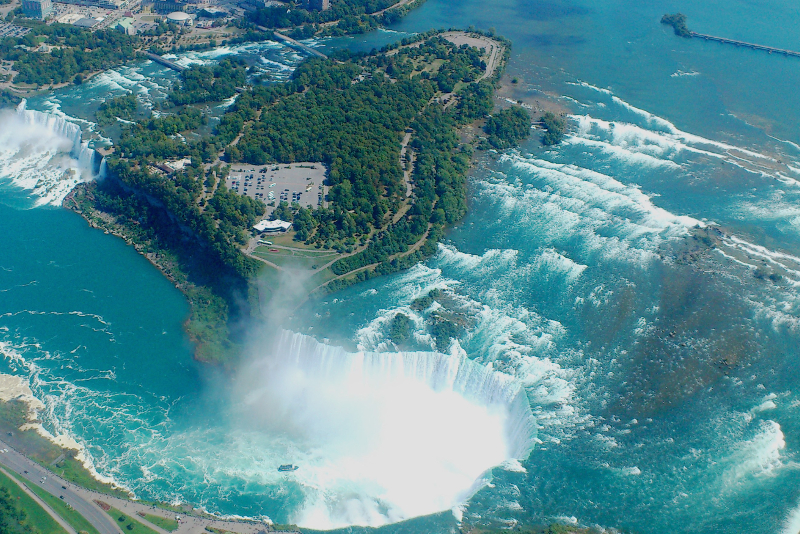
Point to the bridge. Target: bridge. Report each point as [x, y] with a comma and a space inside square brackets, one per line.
[293, 43]
[744, 44]
[167, 63]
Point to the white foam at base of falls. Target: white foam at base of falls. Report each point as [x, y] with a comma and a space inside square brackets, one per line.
[44, 154]
[382, 437]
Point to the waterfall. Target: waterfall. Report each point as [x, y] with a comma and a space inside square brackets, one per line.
[44, 153]
[440, 372]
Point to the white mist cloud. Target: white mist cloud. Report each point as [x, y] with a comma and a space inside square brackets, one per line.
[378, 437]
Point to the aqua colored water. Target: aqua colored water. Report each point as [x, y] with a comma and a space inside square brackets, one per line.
[661, 373]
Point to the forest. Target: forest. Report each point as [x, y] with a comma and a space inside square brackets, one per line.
[507, 127]
[77, 52]
[353, 16]
[350, 112]
[678, 23]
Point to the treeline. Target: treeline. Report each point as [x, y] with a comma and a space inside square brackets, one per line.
[280, 17]
[13, 518]
[8, 99]
[201, 84]
[222, 227]
[507, 127]
[122, 107]
[678, 23]
[76, 52]
[554, 129]
[354, 128]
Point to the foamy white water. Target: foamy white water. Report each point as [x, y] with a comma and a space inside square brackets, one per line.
[43, 153]
[367, 428]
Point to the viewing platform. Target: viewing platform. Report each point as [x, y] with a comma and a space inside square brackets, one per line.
[294, 43]
[167, 63]
[744, 44]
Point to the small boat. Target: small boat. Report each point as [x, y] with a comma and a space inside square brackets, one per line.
[288, 467]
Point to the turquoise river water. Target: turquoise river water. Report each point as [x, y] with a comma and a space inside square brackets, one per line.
[612, 369]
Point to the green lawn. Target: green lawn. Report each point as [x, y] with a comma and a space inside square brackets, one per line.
[129, 524]
[76, 520]
[37, 517]
[167, 524]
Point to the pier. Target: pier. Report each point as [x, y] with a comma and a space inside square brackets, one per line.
[293, 43]
[744, 44]
[167, 63]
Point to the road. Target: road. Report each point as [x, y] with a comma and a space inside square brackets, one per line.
[82, 500]
[32, 473]
[52, 513]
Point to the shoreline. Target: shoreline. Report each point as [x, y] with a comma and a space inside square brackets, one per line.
[16, 389]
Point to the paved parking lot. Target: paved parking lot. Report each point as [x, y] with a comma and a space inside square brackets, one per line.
[296, 182]
[10, 30]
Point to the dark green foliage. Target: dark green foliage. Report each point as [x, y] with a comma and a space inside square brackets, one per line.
[79, 52]
[281, 17]
[354, 128]
[13, 520]
[400, 328]
[220, 228]
[678, 23]
[123, 107]
[554, 129]
[8, 99]
[200, 84]
[508, 126]
[474, 102]
[444, 330]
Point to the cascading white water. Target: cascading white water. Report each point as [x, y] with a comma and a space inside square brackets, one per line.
[440, 372]
[43, 153]
[380, 437]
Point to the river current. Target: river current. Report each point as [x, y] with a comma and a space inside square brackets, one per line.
[627, 305]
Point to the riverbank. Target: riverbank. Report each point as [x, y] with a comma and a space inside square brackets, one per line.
[58, 465]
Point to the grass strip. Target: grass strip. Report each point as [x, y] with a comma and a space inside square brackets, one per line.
[162, 522]
[37, 517]
[68, 514]
[128, 524]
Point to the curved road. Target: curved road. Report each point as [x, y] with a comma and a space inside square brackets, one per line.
[32, 473]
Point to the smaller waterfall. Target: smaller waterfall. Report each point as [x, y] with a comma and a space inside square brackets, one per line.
[45, 154]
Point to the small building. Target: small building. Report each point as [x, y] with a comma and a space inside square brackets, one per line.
[86, 22]
[213, 12]
[37, 9]
[271, 227]
[126, 26]
[180, 18]
[169, 6]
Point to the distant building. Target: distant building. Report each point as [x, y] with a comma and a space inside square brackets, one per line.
[169, 6]
[272, 226]
[37, 9]
[125, 25]
[105, 4]
[319, 5]
[213, 13]
[86, 22]
[180, 18]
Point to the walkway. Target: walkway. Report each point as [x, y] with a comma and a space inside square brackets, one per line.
[83, 501]
[57, 518]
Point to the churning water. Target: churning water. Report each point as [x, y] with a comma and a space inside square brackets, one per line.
[637, 286]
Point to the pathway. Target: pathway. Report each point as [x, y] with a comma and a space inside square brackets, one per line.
[83, 501]
[57, 518]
